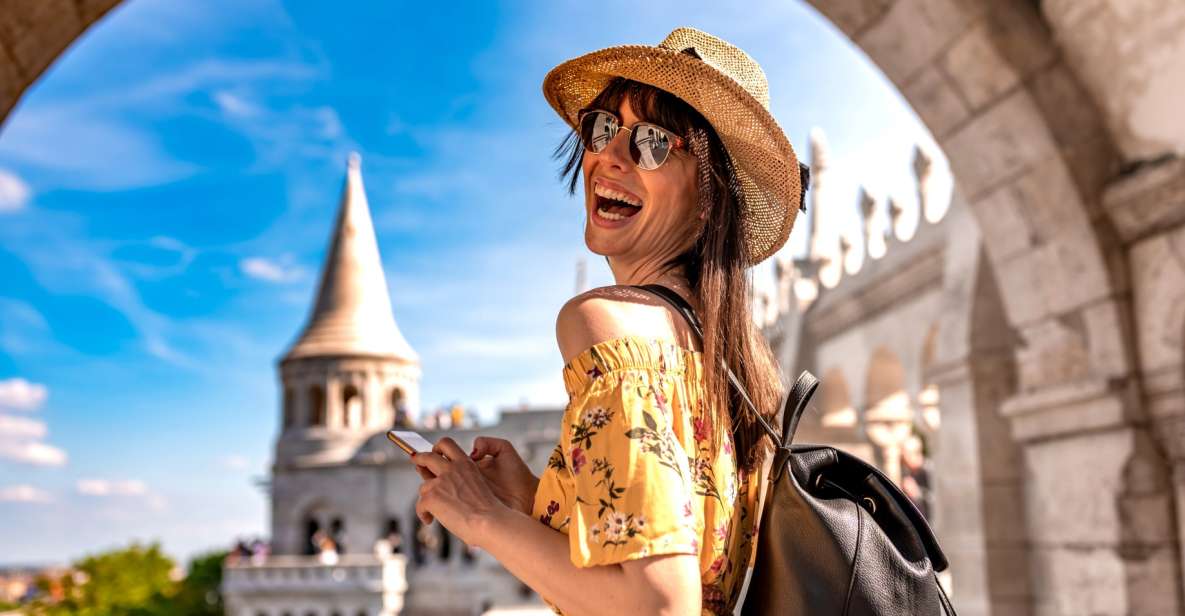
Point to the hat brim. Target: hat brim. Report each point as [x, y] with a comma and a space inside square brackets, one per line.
[765, 163]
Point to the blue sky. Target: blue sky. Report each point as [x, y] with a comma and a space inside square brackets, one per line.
[167, 190]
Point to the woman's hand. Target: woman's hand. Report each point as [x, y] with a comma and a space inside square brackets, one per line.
[508, 476]
[458, 494]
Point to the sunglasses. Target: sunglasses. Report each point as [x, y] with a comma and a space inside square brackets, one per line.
[650, 144]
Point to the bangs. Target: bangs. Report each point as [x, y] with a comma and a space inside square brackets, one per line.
[647, 102]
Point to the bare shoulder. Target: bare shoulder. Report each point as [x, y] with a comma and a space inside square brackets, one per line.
[606, 313]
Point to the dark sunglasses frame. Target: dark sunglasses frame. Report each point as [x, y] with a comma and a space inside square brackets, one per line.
[676, 142]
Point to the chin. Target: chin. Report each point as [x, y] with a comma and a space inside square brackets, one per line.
[600, 245]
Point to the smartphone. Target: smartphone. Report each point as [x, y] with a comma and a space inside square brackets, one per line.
[410, 442]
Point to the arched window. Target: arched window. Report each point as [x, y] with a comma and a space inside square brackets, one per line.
[399, 406]
[394, 536]
[312, 529]
[316, 406]
[352, 403]
[289, 406]
[337, 532]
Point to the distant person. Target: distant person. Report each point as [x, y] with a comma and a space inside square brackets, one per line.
[326, 548]
[649, 498]
[915, 474]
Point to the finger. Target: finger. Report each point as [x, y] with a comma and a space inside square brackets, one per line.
[422, 513]
[449, 448]
[487, 446]
[425, 473]
[434, 462]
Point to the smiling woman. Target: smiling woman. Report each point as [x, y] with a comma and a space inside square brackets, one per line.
[649, 499]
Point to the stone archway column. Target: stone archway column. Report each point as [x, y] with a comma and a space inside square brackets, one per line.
[1098, 507]
[978, 513]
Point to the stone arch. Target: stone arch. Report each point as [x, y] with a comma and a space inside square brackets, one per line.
[835, 401]
[1032, 155]
[316, 519]
[888, 414]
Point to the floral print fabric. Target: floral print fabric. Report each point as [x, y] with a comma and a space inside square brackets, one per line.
[643, 468]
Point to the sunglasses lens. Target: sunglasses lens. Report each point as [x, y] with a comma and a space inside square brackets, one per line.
[597, 129]
[650, 146]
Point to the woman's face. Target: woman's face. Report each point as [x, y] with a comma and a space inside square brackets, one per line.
[663, 227]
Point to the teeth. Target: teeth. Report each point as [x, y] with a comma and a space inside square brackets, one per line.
[603, 213]
[607, 193]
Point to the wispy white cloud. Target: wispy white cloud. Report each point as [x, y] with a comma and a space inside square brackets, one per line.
[12, 427]
[73, 138]
[20, 437]
[14, 192]
[17, 394]
[235, 105]
[24, 493]
[75, 145]
[184, 255]
[121, 489]
[34, 453]
[109, 487]
[262, 268]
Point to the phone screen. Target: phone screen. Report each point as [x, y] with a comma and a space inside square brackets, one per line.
[409, 441]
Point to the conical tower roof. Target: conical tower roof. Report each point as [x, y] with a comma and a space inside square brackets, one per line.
[352, 315]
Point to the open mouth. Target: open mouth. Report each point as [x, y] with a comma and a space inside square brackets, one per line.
[615, 205]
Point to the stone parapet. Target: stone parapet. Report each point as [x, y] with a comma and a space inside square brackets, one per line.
[356, 583]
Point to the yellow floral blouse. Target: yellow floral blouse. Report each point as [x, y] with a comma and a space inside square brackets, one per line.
[643, 467]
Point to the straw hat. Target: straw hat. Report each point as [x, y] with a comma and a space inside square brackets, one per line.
[729, 89]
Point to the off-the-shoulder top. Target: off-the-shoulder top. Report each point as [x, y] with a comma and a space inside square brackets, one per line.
[644, 467]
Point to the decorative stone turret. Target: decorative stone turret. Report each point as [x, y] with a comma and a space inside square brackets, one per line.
[350, 373]
[874, 240]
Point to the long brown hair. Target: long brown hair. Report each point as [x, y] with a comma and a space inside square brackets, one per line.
[715, 264]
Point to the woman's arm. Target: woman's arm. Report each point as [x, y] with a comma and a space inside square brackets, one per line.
[538, 556]
[459, 497]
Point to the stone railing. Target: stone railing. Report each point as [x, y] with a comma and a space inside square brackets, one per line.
[307, 574]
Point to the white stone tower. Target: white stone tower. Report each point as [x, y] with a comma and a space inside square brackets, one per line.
[350, 373]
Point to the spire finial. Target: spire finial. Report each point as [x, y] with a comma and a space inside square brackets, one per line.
[354, 161]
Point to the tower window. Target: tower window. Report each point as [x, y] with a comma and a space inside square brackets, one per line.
[316, 406]
[352, 403]
[337, 532]
[312, 530]
[394, 536]
[399, 406]
[289, 408]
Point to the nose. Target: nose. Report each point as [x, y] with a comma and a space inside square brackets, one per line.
[617, 153]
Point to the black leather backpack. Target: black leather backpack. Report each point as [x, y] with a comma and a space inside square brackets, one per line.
[836, 535]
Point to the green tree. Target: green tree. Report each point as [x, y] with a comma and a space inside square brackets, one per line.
[113, 583]
[198, 594]
[136, 581]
